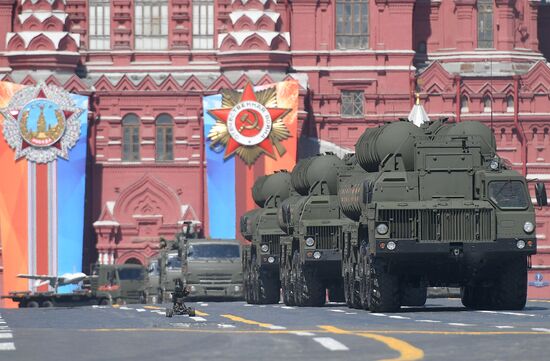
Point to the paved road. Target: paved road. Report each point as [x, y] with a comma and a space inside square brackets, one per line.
[443, 330]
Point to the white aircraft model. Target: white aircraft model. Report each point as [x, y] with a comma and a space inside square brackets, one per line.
[56, 281]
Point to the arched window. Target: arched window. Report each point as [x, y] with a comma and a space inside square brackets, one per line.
[487, 104]
[352, 24]
[130, 138]
[464, 104]
[509, 103]
[165, 138]
[484, 23]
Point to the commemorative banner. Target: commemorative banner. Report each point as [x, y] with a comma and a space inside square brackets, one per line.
[250, 132]
[43, 159]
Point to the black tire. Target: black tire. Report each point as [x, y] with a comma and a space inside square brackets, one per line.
[475, 297]
[510, 289]
[105, 302]
[364, 276]
[312, 292]
[383, 292]
[336, 292]
[354, 292]
[269, 291]
[413, 296]
[287, 285]
[32, 304]
[47, 304]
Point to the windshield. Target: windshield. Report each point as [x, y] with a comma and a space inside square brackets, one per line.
[131, 274]
[174, 262]
[213, 251]
[508, 194]
[153, 268]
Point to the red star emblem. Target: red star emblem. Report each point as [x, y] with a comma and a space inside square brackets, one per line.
[248, 123]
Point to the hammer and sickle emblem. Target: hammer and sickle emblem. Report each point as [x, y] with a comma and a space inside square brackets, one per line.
[246, 120]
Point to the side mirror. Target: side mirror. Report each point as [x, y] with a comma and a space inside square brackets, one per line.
[540, 192]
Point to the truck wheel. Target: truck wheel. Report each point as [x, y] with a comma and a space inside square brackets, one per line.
[413, 296]
[105, 302]
[364, 277]
[47, 303]
[510, 289]
[32, 304]
[269, 290]
[383, 293]
[336, 293]
[308, 285]
[287, 285]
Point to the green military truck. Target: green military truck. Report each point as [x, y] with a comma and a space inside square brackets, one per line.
[436, 206]
[260, 258]
[108, 284]
[211, 268]
[311, 259]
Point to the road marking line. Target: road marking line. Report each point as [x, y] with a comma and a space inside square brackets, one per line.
[351, 313]
[401, 317]
[428, 321]
[5, 330]
[331, 344]
[539, 301]
[337, 311]
[504, 327]
[115, 306]
[509, 313]
[141, 309]
[203, 304]
[199, 313]
[4, 326]
[2, 321]
[302, 333]
[247, 305]
[263, 306]
[287, 332]
[124, 308]
[407, 352]
[378, 314]
[459, 324]
[7, 346]
[198, 319]
[6, 335]
[225, 325]
[181, 324]
[541, 329]
[288, 307]
[153, 307]
[255, 323]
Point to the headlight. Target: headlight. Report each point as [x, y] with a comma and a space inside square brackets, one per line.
[528, 227]
[271, 259]
[237, 288]
[310, 242]
[382, 228]
[264, 248]
[391, 245]
[494, 164]
[520, 244]
[317, 255]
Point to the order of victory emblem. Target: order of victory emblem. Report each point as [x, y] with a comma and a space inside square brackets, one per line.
[249, 124]
[41, 123]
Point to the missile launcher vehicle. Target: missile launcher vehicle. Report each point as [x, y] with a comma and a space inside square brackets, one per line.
[417, 207]
[311, 256]
[260, 259]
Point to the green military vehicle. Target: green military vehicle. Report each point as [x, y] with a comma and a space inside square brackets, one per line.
[436, 206]
[211, 268]
[124, 283]
[311, 256]
[107, 284]
[260, 258]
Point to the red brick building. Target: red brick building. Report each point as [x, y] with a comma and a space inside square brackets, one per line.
[146, 65]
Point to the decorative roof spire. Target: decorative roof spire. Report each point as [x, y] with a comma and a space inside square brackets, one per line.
[418, 114]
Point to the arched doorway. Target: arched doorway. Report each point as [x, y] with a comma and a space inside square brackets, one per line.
[133, 261]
